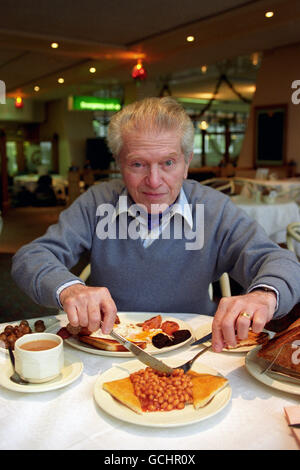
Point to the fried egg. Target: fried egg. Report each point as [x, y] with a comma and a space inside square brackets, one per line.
[130, 331]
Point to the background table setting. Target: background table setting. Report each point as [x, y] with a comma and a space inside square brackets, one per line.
[73, 417]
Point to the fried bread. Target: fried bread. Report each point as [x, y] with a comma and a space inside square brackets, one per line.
[107, 344]
[253, 340]
[123, 391]
[284, 346]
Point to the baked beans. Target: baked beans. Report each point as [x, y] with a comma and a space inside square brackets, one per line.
[159, 392]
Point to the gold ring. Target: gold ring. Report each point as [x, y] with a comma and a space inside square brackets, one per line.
[245, 314]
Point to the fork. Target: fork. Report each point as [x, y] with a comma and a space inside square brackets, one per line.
[187, 365]
[15, 377]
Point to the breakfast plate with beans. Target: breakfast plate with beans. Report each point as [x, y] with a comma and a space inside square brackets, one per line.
[136, 394]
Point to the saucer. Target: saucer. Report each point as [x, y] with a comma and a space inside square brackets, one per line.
[71, 371]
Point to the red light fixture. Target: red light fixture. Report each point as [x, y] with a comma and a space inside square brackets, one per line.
[19, 103]
[139, 71]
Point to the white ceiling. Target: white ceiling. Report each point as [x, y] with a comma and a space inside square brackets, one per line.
[112, 34]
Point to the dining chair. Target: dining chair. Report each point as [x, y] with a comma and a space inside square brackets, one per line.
[292, 234]
[223, 185]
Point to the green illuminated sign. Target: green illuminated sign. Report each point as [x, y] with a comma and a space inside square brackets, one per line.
[92, 103]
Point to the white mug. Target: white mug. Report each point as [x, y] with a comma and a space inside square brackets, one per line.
[39, 366]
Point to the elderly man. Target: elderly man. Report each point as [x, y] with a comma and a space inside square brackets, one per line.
[157, 240]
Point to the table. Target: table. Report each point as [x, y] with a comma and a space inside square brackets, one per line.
[274, 218]
[29, 181]
[287, 189]
[69, 418]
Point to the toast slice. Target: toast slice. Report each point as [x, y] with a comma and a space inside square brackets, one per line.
[107, 344]
[286, 357]
[253, 340]
[123, 391]
[205, 387]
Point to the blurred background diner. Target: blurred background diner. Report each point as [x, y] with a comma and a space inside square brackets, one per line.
[65, 70]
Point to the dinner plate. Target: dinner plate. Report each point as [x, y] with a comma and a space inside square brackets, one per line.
[203, 330]
[157, 419]
[255, 367]
[71, 371]
[31, 323]
[129, 317]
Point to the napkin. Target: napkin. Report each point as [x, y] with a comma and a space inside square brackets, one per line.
[293, 416]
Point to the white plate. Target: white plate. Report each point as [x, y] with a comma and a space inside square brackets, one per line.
[255, 368]
[71, 371]
[130, 318]
[31, 323]
[158, 419]
[203, 330]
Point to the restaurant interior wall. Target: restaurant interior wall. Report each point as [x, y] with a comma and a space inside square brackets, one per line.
[279, 68]
[73, 128]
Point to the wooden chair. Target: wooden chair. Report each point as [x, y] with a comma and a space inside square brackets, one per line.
[223, 185]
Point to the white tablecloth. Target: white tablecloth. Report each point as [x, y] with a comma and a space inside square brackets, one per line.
[274, 218]
[69, 418]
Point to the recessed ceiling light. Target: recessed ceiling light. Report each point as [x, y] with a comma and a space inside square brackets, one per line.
[54, 45]
[190, 38]
[92, 70]
[36, 88]
[269, 14]
[61, 80]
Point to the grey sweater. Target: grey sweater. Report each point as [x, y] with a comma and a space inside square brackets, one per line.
[164, 277]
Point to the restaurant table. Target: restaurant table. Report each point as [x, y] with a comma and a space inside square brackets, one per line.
[70, 419]
[29, 181]
[286, 187]
[274, 218]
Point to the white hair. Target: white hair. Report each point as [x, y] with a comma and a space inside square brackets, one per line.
[155, 115]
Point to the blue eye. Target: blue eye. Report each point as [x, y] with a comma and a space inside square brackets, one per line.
[169, 163]
[137, 165]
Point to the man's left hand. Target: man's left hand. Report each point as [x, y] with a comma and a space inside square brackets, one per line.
[229, 324]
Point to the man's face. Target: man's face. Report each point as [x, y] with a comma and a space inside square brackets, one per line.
[153, 168]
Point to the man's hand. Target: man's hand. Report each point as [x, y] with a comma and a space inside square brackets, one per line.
[87, 306]
[229, 324]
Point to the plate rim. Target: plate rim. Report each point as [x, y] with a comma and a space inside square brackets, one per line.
[253, 368]
[225, 395]
[126, 354]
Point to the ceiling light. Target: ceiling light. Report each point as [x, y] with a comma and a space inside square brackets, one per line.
[269, 14]
[61, 80]
[36, 88]
[204, 68]
[190, 38]
[92, 70]
[54, 45]
[203, 125]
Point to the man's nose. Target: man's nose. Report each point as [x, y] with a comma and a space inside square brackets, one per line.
[154, 177]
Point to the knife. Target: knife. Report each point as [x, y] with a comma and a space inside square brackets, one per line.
[141, 355]
[203, 339]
